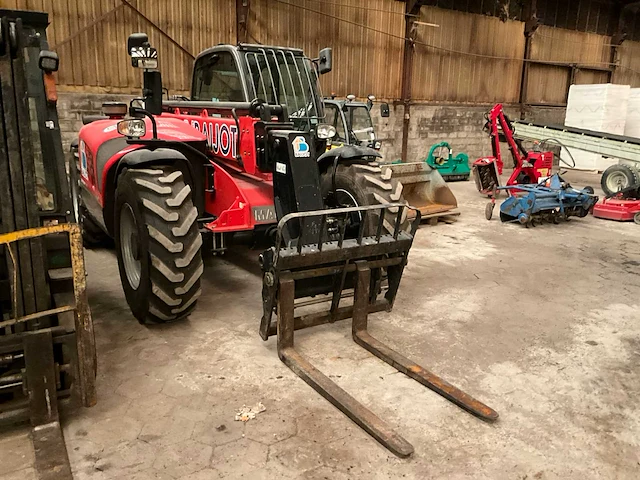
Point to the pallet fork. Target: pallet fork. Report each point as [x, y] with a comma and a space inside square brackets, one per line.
[360, 263]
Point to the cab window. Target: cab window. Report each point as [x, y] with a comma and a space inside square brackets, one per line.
[334, 118]
[216, 79]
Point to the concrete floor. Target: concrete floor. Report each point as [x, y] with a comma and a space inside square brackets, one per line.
[541, 324]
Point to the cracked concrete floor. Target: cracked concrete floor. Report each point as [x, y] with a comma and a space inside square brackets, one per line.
[541, 324]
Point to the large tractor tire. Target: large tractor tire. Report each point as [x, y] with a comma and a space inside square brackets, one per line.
[158, 244]
[618, 177]
[359, 185]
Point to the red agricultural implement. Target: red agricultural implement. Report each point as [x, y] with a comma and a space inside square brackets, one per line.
[529, 167]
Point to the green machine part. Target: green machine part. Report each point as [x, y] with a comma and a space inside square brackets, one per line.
[451, 168]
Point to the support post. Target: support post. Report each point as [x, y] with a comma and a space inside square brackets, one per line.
[530, 26]
[619, 35]
[412, 8]
[242, 20]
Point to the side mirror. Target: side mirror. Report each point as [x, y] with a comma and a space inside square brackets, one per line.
[142, 54]
[384, 110]
[48, 61]
[137, 40]
[325, 61]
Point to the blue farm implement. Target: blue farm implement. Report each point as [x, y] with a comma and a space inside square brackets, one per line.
[552, 201]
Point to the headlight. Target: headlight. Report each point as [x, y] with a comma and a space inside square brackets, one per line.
[325, 131]
[377, 146]
[133, 128]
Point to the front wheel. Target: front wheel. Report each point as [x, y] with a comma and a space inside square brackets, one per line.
[359, 185]
[158, 244]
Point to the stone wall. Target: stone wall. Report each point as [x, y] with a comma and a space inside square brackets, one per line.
[73, 106]
[460, 125]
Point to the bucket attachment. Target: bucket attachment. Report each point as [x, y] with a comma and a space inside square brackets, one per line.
[329, 267]
[423, 187]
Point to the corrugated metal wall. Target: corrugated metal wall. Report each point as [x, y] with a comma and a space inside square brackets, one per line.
[629, 71]
[469, 58]
[365, 61]
[549, 83]
[442, 75]
[98, 58]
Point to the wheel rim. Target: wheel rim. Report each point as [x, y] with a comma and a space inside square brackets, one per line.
[129, 246]
[617, 181]
[345, 199]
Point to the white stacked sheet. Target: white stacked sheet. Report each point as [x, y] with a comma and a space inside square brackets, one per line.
[602, 108]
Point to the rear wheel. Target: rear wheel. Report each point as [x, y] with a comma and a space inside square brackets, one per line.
[618, 177]
[158, 244]
[359, 185]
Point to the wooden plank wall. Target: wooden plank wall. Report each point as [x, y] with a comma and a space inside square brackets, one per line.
[549, 83]
[97, 60]
[444, 76]
[364, 61]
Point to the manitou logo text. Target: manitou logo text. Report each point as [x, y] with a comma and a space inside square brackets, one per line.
[222, 139]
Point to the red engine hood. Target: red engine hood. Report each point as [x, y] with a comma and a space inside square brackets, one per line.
[171, 129]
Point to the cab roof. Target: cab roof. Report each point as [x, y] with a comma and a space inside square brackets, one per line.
[248, 47]
[342, 102]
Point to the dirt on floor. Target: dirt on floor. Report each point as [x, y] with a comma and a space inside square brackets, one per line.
[542, 324]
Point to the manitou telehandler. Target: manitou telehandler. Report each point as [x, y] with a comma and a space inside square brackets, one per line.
[47, 348]
[246, 151]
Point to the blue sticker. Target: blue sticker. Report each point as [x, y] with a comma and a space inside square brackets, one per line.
[300, 147]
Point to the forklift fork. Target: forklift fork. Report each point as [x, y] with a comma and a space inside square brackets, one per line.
[363, 255]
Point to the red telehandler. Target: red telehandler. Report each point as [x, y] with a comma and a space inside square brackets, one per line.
[244, 153]
[212, 165]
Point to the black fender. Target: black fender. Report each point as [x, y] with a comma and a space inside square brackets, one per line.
[346, 154]
[146, 157]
